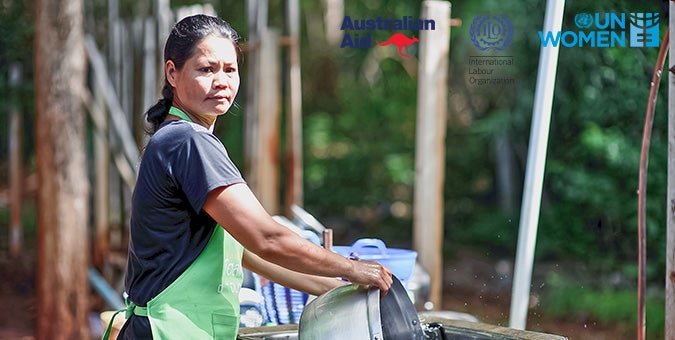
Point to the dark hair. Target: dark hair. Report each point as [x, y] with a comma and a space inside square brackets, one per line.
[180, 45]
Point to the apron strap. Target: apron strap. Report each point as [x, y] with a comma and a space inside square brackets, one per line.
[108, 329]
[130, 310]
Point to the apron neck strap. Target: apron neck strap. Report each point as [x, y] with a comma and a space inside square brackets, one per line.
[178, 113]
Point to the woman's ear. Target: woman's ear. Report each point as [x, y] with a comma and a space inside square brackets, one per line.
[170, 71]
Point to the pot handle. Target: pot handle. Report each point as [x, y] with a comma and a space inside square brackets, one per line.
[369, 243]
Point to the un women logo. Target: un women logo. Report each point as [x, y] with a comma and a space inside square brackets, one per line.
[491, 32]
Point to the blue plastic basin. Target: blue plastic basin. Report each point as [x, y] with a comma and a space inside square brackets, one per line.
[400, 261]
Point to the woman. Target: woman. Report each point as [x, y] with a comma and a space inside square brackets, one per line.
[194, 221]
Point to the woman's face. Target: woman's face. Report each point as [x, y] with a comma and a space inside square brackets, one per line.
[209, 79]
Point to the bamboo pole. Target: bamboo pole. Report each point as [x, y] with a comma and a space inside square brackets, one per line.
[432, 109]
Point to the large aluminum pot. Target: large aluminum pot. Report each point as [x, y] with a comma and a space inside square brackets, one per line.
[355, 313]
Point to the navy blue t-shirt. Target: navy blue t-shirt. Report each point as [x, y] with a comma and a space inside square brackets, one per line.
[181, 164]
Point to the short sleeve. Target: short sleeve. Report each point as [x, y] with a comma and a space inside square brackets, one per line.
[201, 165]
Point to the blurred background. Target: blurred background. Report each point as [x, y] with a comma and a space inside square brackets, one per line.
[358, 154]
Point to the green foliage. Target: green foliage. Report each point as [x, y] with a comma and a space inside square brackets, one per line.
[348, 163]
[608, 306]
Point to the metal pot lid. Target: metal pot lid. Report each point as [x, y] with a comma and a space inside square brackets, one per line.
[398, 315]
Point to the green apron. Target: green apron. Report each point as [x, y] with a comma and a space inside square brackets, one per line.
[203, 302]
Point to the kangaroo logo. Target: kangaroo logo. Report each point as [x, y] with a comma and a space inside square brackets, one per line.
[401, 41]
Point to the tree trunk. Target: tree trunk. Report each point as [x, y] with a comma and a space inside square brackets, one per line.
[432, 112]
[60, 64]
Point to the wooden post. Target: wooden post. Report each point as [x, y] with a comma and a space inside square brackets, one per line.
[256, 14]
[120, 127]
[265, 168]
[112, 65]
[670, 201]
[162, 11]
[150, 80]
[125, 95]
[294, 175]
[126, 70]
[62, 260]
[263, 107]
[432, 100]
[102, 166]
[138, 79]
[335, 12]
[15, 162]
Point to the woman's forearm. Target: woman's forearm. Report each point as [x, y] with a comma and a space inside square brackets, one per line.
[310, 284]
[239, 212]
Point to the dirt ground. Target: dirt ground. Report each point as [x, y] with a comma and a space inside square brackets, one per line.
[473, 285]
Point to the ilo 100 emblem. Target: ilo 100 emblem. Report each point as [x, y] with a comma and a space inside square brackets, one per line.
[491, 32]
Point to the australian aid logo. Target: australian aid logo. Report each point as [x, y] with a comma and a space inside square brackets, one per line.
[367, 33]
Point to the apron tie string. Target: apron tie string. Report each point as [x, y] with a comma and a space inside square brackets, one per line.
[133, 309]
[130, 310]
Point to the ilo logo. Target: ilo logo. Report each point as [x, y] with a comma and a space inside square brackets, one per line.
[491, 32]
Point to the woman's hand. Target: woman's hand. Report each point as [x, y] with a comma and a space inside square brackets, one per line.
[371, 274]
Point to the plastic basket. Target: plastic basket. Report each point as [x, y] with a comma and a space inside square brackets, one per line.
[281, 305]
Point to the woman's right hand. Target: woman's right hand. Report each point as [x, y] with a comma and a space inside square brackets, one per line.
[371, 274]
